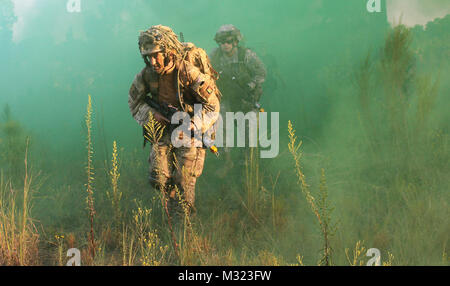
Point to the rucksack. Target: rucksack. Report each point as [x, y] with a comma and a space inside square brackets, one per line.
[200, 59]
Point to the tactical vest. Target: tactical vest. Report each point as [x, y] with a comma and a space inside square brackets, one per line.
[186, 99]
[199, 59]
[233, 78]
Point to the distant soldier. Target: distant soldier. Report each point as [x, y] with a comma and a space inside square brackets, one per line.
[176, 76]
[241, 75]
[241, 72]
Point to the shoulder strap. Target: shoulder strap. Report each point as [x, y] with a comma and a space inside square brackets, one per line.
[178, 81]
[241, 54]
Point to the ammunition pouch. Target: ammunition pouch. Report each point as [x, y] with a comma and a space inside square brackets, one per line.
[204, 87]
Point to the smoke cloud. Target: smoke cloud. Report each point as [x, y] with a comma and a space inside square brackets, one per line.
[416, 12]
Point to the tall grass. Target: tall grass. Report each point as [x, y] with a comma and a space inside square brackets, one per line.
[90, 179]
[394, 179]
[151, 250]
[253, 182]
[18, 235]
[115, 196]
[321, 208]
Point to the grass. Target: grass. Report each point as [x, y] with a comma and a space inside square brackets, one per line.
[321, 208]
[115, 196]
[90, 179]
[18, 235]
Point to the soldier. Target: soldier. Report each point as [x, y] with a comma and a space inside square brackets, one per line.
[241, 72]
[172, 78]
[241, 75]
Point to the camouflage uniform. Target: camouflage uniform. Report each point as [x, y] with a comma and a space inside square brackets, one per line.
[240, 77]
[195, 88]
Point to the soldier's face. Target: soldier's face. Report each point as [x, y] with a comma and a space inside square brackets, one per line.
[227, 45]
[157, 62]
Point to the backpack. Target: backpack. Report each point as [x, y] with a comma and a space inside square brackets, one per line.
[200, 59]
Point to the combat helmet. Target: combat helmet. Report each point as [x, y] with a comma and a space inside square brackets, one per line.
[226, 31]
[159, 39]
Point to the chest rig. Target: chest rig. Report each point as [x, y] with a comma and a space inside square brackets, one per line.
[185, 98]
[233, 77]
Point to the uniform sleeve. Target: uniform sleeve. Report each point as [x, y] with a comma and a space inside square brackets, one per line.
[138, 108]
[256, 67]
[205, 91]
[210, 112]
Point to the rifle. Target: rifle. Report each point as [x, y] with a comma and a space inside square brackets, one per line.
[168, 111]
[238, 85]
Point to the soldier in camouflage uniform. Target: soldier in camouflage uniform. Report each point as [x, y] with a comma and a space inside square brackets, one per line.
[241, 72]
[170, 78]
[241, 75]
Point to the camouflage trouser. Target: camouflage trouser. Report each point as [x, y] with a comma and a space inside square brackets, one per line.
[176, 168]
[237, 154]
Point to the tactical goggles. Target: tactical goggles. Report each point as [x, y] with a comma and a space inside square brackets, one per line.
[230, 41]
